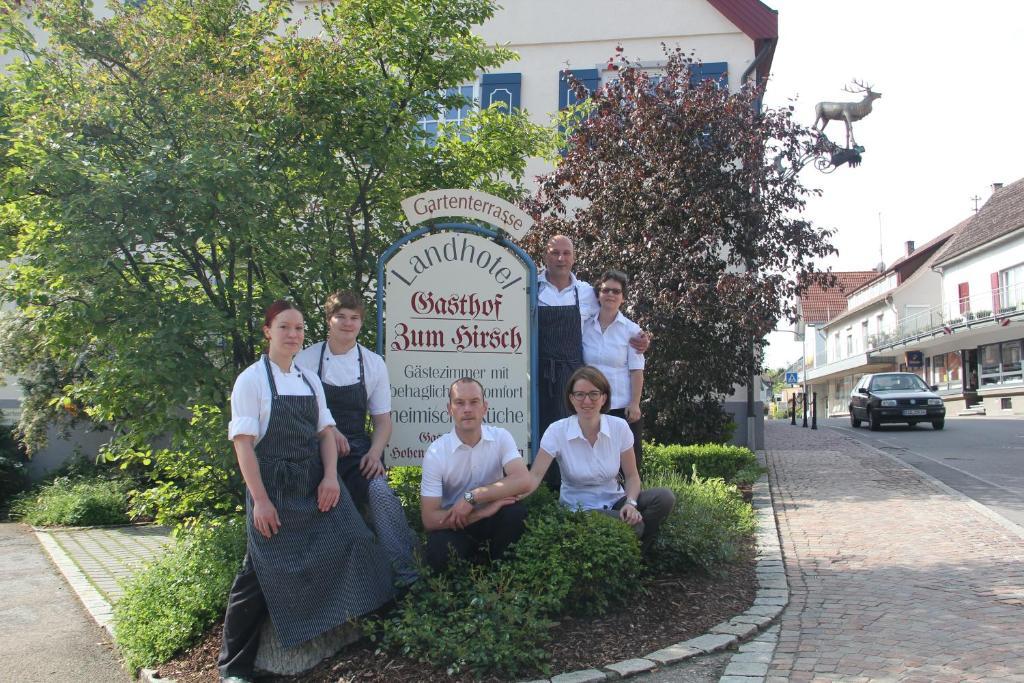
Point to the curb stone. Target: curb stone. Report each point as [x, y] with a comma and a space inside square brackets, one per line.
[770, 600]
[95, 604]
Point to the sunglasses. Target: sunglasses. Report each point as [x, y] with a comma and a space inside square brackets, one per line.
[611, 290]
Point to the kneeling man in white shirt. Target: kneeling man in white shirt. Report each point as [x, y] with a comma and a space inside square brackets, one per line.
[471, 477]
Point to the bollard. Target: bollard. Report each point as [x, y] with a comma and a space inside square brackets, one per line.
[792, 411]
[805, 410]
[814, 410]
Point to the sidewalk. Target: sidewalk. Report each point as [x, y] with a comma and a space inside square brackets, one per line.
[45, 634]
[892, 575]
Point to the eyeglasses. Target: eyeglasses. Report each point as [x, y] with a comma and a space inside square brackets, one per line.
[592, 395]
[611, 290]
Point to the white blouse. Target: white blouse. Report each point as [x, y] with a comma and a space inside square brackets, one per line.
[251, 398]
[610, 352]
[343, 370]
[589, 473]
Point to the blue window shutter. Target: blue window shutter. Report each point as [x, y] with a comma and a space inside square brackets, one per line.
[589, 77]
[715, 71]
[501, 88]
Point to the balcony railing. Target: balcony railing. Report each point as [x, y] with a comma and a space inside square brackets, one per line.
[949, 317]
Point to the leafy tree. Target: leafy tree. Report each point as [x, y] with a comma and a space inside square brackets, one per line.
[677, 183]
[172, 169]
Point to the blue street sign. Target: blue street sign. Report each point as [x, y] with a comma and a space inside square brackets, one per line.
[792, 378]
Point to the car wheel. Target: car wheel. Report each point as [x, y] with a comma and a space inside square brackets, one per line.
[874, 422]
[938, 424]
[854, 420]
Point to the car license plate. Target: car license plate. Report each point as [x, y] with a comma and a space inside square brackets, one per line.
[916, 411]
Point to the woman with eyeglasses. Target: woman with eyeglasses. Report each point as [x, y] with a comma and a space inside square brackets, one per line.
[591, 447]
[606, 347]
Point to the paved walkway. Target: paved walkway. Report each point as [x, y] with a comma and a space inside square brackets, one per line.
[893, 576]
[44, 634]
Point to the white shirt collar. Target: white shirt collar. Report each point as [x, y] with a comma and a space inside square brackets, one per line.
[543, 278]
[485, 435]
[575, 432]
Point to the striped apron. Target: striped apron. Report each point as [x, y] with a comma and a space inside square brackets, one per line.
[348, 406]
[322, 568]
[560, 352]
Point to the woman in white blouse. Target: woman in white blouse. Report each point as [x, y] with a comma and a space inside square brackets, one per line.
[310, 562]
[606, 347]
[591, 447]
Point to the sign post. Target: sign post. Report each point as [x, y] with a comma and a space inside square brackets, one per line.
[457, 300]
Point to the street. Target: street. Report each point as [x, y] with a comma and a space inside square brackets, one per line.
[981, 457]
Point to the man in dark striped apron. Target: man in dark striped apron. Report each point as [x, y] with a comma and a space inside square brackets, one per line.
[563, 303]
[337, 362]
[320, 568]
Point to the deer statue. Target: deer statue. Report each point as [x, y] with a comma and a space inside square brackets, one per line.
[846, 111]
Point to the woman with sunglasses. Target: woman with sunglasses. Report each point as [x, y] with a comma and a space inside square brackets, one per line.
[310, 562]
[606, 347]
[591, 447]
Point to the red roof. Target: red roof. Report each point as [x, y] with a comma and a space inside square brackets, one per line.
[756, 20]
[818, 305]
[752, 17]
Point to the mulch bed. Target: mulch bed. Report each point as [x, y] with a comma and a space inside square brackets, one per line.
[671, 609]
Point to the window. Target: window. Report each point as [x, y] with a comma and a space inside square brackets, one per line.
[1011, 286]
[504, 88]
[938, 374]
[1000, 363]
[964, 297]
[849, 341]
[451, 115]
[864, 334]
[710, 71]
[566, 96]
[835, 346]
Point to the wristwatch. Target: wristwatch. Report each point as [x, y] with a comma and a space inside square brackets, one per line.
[630, 501]
[469, 497]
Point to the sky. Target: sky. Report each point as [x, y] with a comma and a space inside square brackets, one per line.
[948, 124]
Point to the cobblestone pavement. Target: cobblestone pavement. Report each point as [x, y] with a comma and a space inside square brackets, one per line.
[107, 556]
[892, 576]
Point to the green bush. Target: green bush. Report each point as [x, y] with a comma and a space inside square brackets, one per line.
[711, 460]
[468, 619]
[578, 562]
[173, 601]
[494, 620]
[707, 527]
[67, 501]
[406, 483]
[195, 479]
[13, 475]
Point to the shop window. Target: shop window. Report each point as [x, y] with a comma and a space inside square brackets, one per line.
[1000, 363]
[1006, 403]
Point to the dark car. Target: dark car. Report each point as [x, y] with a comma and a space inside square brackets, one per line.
[895, 397]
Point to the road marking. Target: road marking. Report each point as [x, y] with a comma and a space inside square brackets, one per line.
[889, 444]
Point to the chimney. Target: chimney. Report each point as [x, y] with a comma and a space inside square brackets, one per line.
[910, 247]
[996, 186]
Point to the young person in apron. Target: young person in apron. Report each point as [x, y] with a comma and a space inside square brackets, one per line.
[310, 562]
[356, 385]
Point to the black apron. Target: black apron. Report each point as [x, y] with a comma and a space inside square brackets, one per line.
[560, 353]
[348, 406]
[321, 568]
